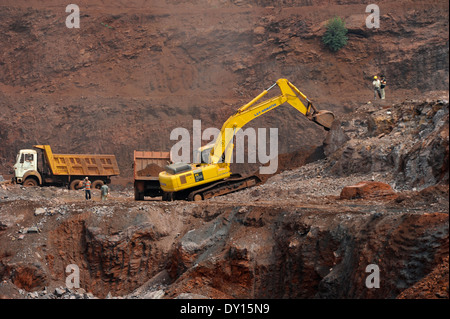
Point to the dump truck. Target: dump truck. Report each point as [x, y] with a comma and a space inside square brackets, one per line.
[147, 165]
[40, 167]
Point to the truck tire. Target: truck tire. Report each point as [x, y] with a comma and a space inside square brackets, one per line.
[138, 195]
[74, 184]
[30, 182]
[167, 197]
[97, 184]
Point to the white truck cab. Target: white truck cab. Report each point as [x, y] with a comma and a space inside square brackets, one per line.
[26, 163]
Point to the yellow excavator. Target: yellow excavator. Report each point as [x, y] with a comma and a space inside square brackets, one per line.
[211, 175]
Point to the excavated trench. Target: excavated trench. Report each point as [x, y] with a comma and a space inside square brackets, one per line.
[219, 250]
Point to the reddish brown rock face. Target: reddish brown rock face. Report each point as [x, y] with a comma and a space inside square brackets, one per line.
[368, 190]
[136, 70]
[29, 277]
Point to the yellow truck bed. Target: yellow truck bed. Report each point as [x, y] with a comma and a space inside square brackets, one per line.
[80, 164]
[147, 165]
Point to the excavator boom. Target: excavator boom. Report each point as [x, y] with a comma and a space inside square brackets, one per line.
[248, 112]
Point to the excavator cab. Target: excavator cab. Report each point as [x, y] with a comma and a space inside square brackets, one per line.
[202, 154]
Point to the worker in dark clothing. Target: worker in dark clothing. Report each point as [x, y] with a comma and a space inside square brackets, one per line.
[382, 86]
[87, 188]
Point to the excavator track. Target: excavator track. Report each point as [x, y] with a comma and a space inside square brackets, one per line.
[230, 185]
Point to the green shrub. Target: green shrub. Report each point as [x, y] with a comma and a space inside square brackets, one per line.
[335, 36]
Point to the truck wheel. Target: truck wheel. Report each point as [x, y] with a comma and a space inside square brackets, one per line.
[167, 197]
[30, 182]
[97, 184]
[74, 185]
[138, 195]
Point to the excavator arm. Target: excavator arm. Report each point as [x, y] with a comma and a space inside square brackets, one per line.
[250, 111]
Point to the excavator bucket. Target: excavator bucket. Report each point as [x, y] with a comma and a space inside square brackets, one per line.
[324, 118]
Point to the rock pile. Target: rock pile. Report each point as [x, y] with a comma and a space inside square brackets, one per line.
[58, 293]
[409, 139]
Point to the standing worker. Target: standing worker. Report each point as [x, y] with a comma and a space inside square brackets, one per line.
[104, 190]
[87, 188]
[376, 87]
[383, 85]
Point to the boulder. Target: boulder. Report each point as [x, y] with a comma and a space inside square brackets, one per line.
[335, 138]
[39, 211]
[158, 294]
[382, 122]
[368, 190]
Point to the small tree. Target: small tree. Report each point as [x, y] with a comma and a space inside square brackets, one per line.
[335, 36]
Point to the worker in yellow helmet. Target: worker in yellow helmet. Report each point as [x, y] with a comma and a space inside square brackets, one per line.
[376, 87]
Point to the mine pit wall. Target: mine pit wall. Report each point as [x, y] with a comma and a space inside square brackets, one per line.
[254, 252]
[115, 262]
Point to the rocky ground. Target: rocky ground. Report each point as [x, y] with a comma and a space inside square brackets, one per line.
[298, 235]
[222, 248]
